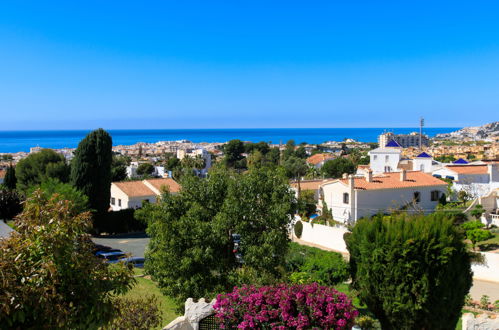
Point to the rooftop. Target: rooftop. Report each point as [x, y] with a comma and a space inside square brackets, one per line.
[317, 158]
[172, 185]
[468, 169]
[392, 181]
[393, 144]
[423, 155]
[134, 188]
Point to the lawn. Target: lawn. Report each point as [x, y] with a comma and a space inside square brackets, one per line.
[145, 286]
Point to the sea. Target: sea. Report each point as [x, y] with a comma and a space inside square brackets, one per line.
[16, 141]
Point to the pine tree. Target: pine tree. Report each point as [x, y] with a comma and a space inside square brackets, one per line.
[10, 179]
[91, 169]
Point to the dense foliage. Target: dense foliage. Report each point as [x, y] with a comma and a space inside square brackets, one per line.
[285, 307]
[63, 191]
[136, 314]
[10, 204]
[40, 166]
[50, 277]
[10, 180]
[145, 169]
[411, 272]
[191, 249]
[91, 169]
[474, 232]
[335, 168]
[308, 264]
[118, 168]
[233, 153]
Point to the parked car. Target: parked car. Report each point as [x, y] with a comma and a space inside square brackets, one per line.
[100, 252]
[112, 257]
[134, 261]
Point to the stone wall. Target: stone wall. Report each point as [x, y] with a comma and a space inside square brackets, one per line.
[480, 322]
[194, 312]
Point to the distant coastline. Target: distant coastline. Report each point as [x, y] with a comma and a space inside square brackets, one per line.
[22, 141]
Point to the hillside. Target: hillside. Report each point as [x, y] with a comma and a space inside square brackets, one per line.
[486, 132]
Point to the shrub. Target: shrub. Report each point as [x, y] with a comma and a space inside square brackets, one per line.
[366, 322]
[411, 272]
[484, 302]
[10, 204]
[284, 307]
[298, 229]
[137, 314]
[114, 222]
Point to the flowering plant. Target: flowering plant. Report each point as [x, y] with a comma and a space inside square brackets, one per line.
[285, 307]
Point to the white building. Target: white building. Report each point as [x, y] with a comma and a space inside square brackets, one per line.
[404, 140]
[318, 160]
[133, 194]
[385, 159]
[355, 197]
[477, 180]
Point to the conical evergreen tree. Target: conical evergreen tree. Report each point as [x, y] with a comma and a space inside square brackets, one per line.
[10, 179]
[91, 169]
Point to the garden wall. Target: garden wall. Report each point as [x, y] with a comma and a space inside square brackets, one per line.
[328, 237]
[490, 270]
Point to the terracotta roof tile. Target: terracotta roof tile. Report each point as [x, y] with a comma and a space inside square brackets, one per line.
[173, 186]
[392, 181]
[468, 169]
[317, 158]
[308, 184]
[134, 188]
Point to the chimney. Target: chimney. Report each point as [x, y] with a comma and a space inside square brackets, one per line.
[369, 176]
[351, 181]
[403, 175]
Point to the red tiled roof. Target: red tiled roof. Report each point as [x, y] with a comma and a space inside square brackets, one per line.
[134, 188]
[308, 184]
[173, 186]
[392, 181]
[468, 169]
[317, 158]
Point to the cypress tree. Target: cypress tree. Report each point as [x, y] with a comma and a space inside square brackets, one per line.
[10, 179]
[91, 169]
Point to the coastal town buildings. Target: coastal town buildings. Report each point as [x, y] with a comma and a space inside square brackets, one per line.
[318, 160]
[404, 140]
[476, 180]
[352, 198]
[197, 152]
[133, 194]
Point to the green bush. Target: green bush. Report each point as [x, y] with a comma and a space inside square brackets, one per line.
[115, 222]
[412, 272]
[307, 264]
[298, 229]
[137, 314]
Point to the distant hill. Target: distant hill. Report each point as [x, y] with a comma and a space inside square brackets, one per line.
[485, 132]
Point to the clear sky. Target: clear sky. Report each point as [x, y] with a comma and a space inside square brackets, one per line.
[210, 64]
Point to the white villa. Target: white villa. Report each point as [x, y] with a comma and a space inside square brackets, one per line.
[355, 197]
[133, 194]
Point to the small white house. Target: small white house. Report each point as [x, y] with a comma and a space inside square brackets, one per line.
[385, 159]
[355, 197]
[477, 180]
[133, 194]
[318, 160]
[199, 152]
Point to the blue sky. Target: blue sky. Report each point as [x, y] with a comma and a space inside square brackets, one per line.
[209, 64]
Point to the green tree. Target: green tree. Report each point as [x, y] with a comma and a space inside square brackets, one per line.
[296, 168]
[91, 169]
[10, 204]
[474, 232]
[39, 166]
[10, 180]
[172, 163]
[191, 249]
[477, 211]
[336, 167]
[411, 272]
[118, 168]
[233, 152]
[62, 191]
[289, 150]
[145, 169]
[273, 156]
[50, 277]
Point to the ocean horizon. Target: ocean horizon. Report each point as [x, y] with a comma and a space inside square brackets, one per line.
[18, 141]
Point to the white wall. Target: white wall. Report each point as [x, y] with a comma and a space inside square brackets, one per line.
[489, 271]
[333, 196]
[378, 160]
[423, 164]
[328, 237]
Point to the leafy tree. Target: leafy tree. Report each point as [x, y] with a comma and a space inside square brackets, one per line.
[306, 205]
[474, 232]
[50, 277]
[145, 169]
[411, 272]
[273, 156]
[118, 168]
[10, 180]
[463, 196]
[191, 249]
[172, 163]
[62, 191]
[255, 159]
[477, 211]
[137, 314]
[289, 150]
[296, 168]
[10, 204]
[335, 168]
[37, 167]
[233, 152]
[197, 162]
[445, 158]
[91, 169]
[301, 152]
[262, 147]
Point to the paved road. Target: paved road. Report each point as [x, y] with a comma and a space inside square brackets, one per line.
[135, 244]
[481, 288]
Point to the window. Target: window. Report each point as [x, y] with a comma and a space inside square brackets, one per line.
[388, 169]
[346, 197]
[435, 195]
[375, 157]
[421, 167]
[417, 196]
[113, 200]
[387, 158]
[119, 202]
